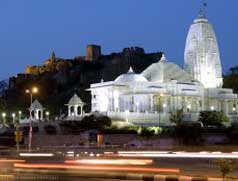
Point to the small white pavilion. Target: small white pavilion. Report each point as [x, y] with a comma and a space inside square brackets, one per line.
[75, 108]
[36, 111]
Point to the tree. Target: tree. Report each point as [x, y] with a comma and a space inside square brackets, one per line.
[93, 122]
[225, 167]
[177, 117]
[213, 118]
[104, 121]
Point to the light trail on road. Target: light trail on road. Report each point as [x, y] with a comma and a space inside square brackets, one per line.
[98, 168]
[36, 154]
[154, 154]
[11, 161]
[110, 161]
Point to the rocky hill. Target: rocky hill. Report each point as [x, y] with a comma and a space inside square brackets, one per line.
[58, 78]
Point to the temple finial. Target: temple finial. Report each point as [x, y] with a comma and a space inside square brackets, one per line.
[202, 11]
[163, 58]
[131, 70]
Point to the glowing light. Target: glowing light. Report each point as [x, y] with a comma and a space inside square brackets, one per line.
[19, 112]
[34, 90]
[13, 115]
[110, 161]
[4, 114]
[127, 111]
[91, 167]
[47, 113]
[11, 161]
[212, 108]
[36, 154]
[164, 105]
[179, 154]
[234, 109]
[189, 106]
[116, 94]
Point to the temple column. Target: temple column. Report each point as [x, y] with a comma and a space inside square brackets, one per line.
[69, 110]
[151, 103]
[75, 111]
[226, 106]
[81, 109]
[41, 115]
[36, 115]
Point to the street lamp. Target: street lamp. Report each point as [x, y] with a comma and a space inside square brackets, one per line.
[212, 108]
[234, 110]
[31, 91]
[19, 114]
[47, 115]
[188, 108]
[4, 117]
[13, 118]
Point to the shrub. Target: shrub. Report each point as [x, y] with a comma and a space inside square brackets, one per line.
[213, 118]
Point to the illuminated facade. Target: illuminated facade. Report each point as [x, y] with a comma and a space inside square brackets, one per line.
[201, 55]
[148, 98]
[75, 108]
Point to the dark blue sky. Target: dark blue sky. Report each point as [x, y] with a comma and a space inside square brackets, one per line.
[31, 29]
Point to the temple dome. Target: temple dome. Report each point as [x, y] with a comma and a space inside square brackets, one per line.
[75, 100]
[36, 105]
[131, 76]
[165, 71]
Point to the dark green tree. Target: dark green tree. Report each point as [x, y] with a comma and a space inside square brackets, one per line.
[213, 118]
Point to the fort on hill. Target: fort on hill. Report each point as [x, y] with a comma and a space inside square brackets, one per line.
[58, 78]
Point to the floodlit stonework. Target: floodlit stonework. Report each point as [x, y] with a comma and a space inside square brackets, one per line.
[201, 56]
[148, 98]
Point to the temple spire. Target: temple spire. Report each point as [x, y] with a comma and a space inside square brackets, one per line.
[202, 11]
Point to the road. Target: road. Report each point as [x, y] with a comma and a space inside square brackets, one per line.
[86, 167]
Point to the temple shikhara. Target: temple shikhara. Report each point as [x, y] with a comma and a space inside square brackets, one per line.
[148, 98]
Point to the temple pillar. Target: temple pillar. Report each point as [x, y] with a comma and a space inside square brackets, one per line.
[35, 115]
[151, 103]
[81, 108]
[225, 106]
[69, 110]
[75, 111]
[41, 114]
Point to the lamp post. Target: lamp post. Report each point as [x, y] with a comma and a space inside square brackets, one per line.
[47, 115]
[31, 91]
[234, 110]
[19, 115]
[13, 118]
[17, 132]
[212, 108]
[4, 117]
